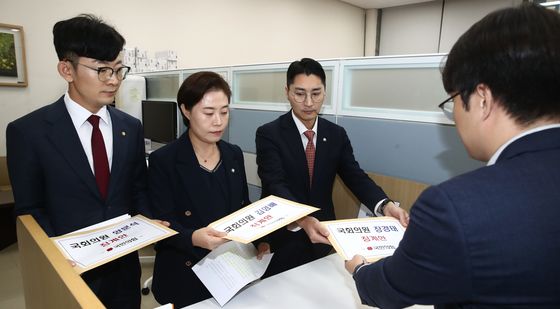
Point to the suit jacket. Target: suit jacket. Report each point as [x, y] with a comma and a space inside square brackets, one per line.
[52, 179]
[485, 239]
[282, 168]
[178, 196]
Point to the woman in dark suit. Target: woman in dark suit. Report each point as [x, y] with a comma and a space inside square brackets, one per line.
[194, 181]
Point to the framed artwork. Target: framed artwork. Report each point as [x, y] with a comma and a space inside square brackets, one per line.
[13, 71]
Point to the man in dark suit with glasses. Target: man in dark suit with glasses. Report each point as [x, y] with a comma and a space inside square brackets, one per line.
[488, 238]
[298, 156]
[79, 161]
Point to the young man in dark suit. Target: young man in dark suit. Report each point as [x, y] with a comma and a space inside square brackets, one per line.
[79, 161]
[488, 238]
[298, 156]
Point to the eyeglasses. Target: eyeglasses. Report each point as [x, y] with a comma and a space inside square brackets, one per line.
[300, 96]
[447, 106]
[106, 73]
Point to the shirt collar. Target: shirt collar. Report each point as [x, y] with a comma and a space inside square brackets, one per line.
[498, 152]
[80, 115]
[301, 127]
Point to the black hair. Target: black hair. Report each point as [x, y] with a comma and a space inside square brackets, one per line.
[86, 36]
[196, 86]
[516, 53]
[305, 66]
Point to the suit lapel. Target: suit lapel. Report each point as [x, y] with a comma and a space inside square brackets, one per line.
[121, 146]
[231, 167]
[64, 137]
[321, 150]
[191, 177]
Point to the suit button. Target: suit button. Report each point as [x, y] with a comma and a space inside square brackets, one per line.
[188, 213]
[188, 263]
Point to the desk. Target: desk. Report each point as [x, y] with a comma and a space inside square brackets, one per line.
[323, 283]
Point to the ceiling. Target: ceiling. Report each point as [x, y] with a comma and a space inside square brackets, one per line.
[378, 4]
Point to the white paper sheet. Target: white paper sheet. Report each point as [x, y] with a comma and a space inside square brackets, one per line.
[102, 224]
[229, 268]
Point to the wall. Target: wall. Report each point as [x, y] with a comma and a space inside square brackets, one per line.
[422, 28]
[411, 29]
[370, 40]
[204, 33]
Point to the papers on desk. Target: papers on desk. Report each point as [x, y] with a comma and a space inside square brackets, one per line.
[261, 218]
[229, 268]
[92, 248]
[373, 238]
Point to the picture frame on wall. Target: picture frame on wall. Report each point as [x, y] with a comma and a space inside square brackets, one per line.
[13, 71]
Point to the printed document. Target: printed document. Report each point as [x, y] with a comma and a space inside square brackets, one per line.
[92, 248]
[261, 218]
[229, 268]
[373, 238]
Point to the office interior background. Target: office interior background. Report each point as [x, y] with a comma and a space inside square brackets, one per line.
[224, 32]
[349, 37]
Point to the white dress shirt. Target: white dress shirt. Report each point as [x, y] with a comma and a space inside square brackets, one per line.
[302, 128]
[79, 116]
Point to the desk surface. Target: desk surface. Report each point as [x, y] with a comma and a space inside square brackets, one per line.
[323, 283]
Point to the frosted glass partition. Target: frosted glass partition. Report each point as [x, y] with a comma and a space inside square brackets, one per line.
[265, 88]
[418, 89]
[224, 72]
[407, 88]
[162, 86]
[390, 87]
[256, 87]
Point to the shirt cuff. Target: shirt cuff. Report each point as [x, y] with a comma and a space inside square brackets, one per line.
[376, 211]
[293, 228]
[357, 269]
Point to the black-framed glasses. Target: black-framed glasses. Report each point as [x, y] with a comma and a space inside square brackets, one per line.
[301, 96]
[105, 73]
[447, 106]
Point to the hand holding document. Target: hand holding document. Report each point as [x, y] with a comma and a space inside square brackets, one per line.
[229, 268]
[90, 248]
[261, 218]
[372, 238]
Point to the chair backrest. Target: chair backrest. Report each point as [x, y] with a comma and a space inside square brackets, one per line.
[346, 205]
[4, 179]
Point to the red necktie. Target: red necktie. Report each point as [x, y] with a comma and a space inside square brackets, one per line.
[100, 161]
[310, 153]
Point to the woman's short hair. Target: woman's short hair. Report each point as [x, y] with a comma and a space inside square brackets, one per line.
[196, 86]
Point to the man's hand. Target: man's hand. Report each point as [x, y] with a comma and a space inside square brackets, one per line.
[316, 231]
[208, 238]
[350, 265]
[395, 211]
[263, 248]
